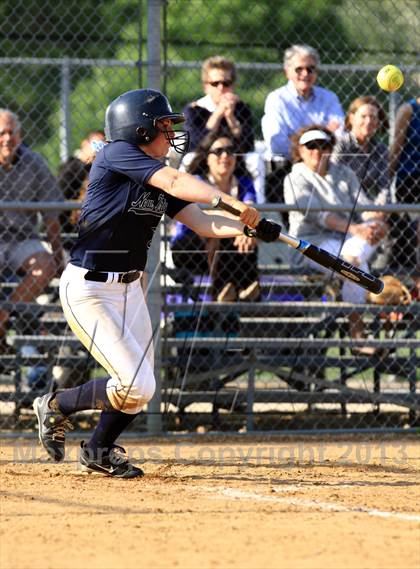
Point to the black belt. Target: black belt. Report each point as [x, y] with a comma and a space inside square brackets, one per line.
[112, 277]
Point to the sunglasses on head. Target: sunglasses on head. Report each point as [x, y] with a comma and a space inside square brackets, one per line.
[225, 83]
[230, 150]
[309, 69]
[317, 145]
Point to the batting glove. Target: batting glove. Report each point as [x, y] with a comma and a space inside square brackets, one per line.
[266, 230]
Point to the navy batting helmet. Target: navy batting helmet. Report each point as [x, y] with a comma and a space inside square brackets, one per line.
[134, 116]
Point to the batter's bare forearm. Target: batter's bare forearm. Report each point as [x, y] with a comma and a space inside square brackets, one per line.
[186, 187]
[189, 188]
[208, 223]
[221, 226]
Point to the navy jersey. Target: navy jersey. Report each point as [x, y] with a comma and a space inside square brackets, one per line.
[121, 210]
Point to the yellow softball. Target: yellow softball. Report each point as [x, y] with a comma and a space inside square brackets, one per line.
[390, 78]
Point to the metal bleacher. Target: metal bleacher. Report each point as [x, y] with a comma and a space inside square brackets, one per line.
[290, 350]
[43, 327]
[219, 353]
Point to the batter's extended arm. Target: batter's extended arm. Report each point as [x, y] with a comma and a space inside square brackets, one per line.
[320, 256]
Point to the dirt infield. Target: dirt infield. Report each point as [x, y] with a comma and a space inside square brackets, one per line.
[272, 503]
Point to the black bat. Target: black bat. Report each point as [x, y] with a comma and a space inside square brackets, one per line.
[320, 256]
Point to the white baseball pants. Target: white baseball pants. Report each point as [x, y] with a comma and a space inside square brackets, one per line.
[113, 323]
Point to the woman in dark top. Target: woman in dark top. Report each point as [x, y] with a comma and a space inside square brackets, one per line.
[360, 149]
[232, 262]
[220, 108]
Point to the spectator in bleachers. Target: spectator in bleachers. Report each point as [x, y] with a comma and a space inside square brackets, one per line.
[360, 149]
[220, 108]
[405, 152]
[417, 279]
[405, 163]
[287, 109]
[73, 175]
[232, 263]
[317, 181]
[24, 176]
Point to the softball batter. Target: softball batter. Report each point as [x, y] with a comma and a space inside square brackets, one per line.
[129, 191]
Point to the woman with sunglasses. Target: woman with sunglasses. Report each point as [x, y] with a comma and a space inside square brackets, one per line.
[220, 108]
[232, 263]
[315, 182]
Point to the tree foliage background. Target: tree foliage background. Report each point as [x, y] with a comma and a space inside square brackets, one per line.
[370, 32]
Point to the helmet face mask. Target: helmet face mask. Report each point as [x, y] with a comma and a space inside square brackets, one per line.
[178, 139]
[134, 117]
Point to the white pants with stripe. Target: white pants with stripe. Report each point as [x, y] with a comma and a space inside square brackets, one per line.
[113, 323]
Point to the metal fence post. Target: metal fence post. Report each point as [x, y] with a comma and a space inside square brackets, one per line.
[394, 101]
[154, 418]
[65, 110]
[250, 394]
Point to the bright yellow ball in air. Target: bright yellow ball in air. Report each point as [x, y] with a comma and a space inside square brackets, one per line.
[390, 78]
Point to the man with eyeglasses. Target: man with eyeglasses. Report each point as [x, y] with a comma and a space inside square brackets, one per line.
[220, 109]
[287, 109]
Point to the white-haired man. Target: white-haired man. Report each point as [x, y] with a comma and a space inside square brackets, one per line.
[297, 104]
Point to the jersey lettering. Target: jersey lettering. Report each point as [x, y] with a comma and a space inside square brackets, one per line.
[118, 188]
[146, 205]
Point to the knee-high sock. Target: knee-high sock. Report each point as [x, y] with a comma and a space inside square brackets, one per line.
[90, 395]
[111, 425]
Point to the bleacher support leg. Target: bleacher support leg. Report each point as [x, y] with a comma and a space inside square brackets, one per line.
[250, 396]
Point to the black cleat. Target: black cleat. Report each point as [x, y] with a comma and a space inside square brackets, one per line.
[112, 463]
[52, 427]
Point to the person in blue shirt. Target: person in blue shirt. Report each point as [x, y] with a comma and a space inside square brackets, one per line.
[405, 164]
[130, 189]
[405, 152]
[297, 104]
[232, 262]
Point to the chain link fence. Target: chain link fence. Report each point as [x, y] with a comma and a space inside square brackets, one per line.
[252, 337]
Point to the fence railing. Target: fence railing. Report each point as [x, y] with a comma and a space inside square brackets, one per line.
[66, 64]
[250, 364]
[162, 44]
